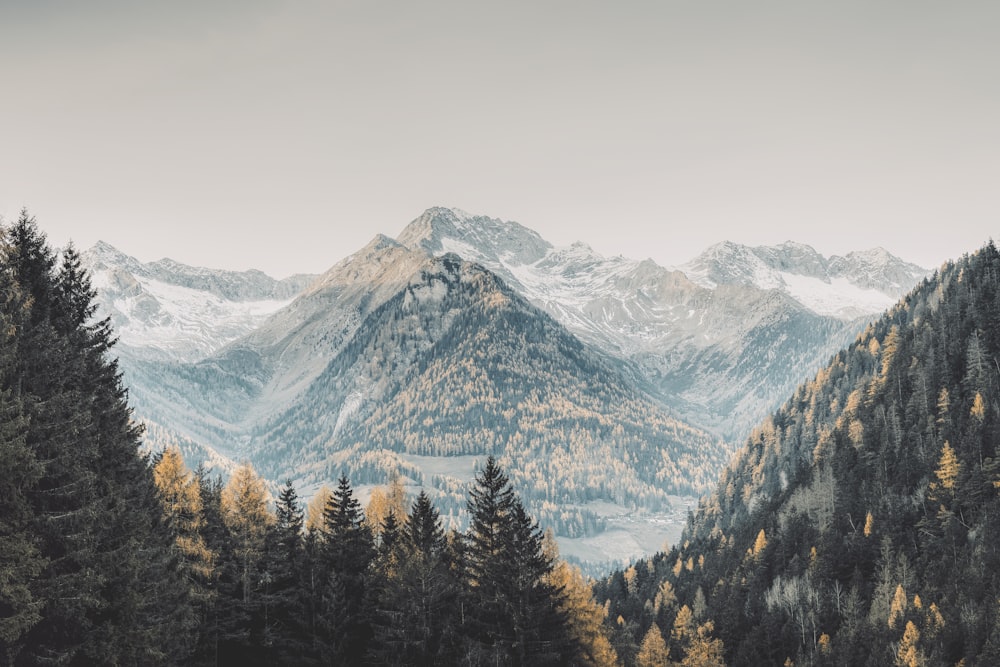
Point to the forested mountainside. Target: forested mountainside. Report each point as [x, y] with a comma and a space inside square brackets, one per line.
[108, 558]
[436, 359]
[457, 363]
[860, 524]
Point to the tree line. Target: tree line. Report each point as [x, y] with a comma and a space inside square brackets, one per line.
[387, 585]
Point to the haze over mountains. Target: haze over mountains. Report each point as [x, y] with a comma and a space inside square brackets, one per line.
[603, 384]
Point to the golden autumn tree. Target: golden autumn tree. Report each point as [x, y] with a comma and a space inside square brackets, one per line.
[246, 515]
[948, 468]
[315, 507]
[383, 502]
[180, 496]
[704, 650]
[584, 616]
[653, 652]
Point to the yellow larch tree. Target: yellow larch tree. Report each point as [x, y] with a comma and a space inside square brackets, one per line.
[704, 650]
[180, 498]
[948, 468]
[383, 501]
[314, 509]
[584, 616]
[246, 515]
[653, 651]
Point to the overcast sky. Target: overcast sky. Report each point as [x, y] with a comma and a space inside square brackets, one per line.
[284, 135]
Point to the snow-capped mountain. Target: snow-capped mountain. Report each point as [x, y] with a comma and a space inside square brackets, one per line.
[858, 284]
[171, 311]
[722, 340]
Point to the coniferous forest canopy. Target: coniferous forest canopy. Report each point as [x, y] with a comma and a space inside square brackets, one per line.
[857, 526]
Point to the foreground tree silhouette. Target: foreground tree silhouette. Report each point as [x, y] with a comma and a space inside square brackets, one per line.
[514, 615]
[346, 552]
[102, 583]
[416, 619]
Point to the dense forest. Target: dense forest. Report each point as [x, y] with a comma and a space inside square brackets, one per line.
[860, 524]
[111, 557]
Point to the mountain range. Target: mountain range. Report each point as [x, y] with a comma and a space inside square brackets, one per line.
[604, 384]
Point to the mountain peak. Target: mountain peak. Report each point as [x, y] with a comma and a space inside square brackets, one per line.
[439, 230]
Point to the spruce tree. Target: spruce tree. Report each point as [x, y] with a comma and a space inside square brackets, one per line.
[514, 616]
[284, 607]
[106, 586]
[346, 554]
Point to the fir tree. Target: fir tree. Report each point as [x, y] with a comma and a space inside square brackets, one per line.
[514, 612]
[285, 633]
[346, 553]
[415, 621]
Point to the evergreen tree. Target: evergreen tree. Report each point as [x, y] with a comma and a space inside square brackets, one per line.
[346, 553]
[107, 590]
[248, 520]
[214, 608]
[20, 560]
[285, 633]
[415, 621]
[514, 613]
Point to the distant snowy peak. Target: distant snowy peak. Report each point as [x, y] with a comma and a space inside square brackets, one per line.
[252, 285]
[860, 283]
[878, 269]
[579, 279]
[169, 310]
[475, 238]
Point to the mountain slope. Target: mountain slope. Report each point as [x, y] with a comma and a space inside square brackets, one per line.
[859, 524]
[457, 363]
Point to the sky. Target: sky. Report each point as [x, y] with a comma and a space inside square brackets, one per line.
[284, 135]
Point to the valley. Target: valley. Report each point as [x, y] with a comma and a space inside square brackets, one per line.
[605, 385]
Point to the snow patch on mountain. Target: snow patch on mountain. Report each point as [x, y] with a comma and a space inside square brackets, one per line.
[168, 310]
[168, 318]
[837, 298]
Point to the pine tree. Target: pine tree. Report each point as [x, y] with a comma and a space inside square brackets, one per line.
[514, 615]
[109, 582]
[20, 560]
[215, 608]
[285, 624]
[346, 553]
[416, 603]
